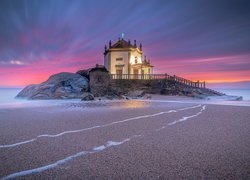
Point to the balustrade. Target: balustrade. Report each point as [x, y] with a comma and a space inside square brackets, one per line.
[181, 80]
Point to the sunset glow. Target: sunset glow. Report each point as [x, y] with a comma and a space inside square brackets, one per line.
[206, 41]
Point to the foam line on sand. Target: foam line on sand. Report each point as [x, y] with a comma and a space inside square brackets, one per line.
[98, 126]
[17, 144]
[184, 118]
[67, 159]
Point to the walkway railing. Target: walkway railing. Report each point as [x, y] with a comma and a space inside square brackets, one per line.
[159, 76]
[140, 76]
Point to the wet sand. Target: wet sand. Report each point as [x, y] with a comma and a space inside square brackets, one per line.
[126, 140]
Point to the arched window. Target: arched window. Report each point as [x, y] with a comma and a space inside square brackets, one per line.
[136, 61]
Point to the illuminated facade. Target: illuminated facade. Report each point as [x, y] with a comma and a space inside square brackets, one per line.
[123, 58]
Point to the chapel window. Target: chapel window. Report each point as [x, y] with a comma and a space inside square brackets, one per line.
[136, 61]
[119, 59]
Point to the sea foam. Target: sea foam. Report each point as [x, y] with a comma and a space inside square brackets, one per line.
[95, 127]
[68, 159]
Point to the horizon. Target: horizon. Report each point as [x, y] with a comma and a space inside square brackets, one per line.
[206, 41]
[239, 85]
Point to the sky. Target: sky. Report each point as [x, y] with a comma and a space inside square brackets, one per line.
[196, 39]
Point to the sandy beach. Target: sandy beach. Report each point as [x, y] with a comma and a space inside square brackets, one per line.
[162, 138]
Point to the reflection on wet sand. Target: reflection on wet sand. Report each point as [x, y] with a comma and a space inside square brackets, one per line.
[111, 104]
[131, 104]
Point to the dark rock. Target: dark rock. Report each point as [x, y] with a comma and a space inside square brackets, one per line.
[88, 97]
[136, 93]
[59, 86]
[99, 81]
[122, 97]
[198, 91]
[187, 91]
[190, 95]
[239, 98]
[110, 97]
[147, 96]
[84, 73]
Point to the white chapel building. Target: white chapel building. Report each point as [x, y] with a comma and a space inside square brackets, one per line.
[126, 60]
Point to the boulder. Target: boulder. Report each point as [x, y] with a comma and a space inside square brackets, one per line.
[84, 73]
[239, 98]
[187, 91]
[114, 96]
[136, 93]
[110, 97]
[225, 98]
[147, 96]
[59, 86]
[88, 97]
[198, 91]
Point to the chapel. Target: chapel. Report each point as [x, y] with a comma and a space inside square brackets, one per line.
[125, 59]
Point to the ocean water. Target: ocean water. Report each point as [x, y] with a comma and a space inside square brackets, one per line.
[7, 95]
[245, 93]
[8, 100]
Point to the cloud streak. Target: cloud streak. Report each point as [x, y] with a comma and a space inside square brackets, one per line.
[180, 37]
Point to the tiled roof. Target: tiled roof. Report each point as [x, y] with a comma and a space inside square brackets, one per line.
[122, 44]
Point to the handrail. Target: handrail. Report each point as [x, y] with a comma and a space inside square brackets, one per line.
[187, 82]
[177, 79]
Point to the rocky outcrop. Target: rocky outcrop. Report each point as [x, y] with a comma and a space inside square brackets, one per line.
[96, 82]
[99, 81]
[88, 97]
[154, 86]
[59, 86]
[224, 98]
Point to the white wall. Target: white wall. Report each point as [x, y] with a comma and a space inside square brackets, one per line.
[106, 61]
[114, 62]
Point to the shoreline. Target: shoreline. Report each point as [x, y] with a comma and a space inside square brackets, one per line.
[102, 101]
[170, 138]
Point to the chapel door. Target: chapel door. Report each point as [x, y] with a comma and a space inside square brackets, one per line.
[142, 74]
[119, 73]
[135, 73]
